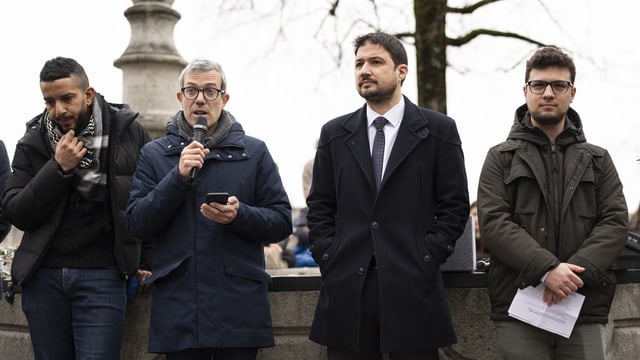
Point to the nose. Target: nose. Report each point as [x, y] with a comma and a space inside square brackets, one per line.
[548, 91]
[200, 97]
[58, 109]
[363, 68]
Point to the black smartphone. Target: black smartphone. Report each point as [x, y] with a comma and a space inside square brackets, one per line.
[219, 197]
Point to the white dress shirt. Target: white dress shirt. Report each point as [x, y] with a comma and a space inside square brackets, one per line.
[394, 116]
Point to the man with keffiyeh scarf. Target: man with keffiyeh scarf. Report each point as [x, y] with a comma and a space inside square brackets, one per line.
[68, 192]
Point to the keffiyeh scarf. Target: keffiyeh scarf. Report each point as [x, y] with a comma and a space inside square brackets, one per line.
[91, 175]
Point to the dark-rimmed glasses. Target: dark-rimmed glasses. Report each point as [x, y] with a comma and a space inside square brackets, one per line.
[209, 93]
[558, 87]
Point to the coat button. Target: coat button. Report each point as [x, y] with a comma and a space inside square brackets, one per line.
[426, 258]
[361, 271]
[375, 225]
[450, 248]
[325, 256]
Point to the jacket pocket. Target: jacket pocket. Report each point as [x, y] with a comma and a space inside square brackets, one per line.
[428, 259]
[245, 268]
[585, 198]
[323, 256]
[165, 270]
[523, 194]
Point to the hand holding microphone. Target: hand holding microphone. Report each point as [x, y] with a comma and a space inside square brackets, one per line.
[199, 130]
[192, 157]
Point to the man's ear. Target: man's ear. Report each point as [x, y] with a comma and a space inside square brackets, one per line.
[89, 95]
[403, 69]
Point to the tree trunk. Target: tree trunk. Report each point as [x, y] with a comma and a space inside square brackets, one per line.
[431, 53]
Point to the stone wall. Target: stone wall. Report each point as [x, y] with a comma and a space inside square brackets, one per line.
[293, 309]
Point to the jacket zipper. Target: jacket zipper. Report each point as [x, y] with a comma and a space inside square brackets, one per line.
[556, 196]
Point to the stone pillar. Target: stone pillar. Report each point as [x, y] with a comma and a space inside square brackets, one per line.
[151, 64]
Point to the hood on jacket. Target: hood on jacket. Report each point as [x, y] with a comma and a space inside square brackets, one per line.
[522, 129]
[109, 111]
[235, 137]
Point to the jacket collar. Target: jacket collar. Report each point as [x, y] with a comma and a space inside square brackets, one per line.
[413, 129]
[233, 142]
[522, 129]
[118, 116]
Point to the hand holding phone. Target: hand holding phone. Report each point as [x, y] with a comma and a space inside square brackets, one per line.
[218, 197]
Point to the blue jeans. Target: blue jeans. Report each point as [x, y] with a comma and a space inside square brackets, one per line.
[75, 313]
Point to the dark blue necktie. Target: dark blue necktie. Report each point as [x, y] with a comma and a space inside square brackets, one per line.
[378, 149]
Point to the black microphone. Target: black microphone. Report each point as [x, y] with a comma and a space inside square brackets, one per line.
[199, 130]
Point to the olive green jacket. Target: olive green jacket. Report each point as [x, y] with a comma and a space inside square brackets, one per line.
[541, 202]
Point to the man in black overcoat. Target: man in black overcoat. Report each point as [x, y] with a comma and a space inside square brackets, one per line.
[380, 242]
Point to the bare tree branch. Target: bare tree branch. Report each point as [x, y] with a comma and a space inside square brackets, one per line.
[334, 7]
[404, 36]
[471, 8]
[336, 22]
[459, 41]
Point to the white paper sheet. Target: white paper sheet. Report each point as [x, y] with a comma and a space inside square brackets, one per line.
[559, 318]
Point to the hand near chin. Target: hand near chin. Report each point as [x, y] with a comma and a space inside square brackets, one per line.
[69, 151]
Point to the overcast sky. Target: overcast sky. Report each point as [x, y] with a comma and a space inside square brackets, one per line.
[282, 91]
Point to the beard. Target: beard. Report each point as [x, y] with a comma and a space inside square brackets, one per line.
[547, 119]
[80, 121]
[379, 94]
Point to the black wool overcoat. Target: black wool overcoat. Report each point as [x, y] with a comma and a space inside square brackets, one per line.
[411, 223]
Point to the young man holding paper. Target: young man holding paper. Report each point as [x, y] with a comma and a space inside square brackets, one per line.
[552, 211]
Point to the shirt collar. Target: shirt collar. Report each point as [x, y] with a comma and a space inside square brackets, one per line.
[394, 115]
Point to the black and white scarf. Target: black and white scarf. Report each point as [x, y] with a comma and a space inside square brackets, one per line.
[54, 134]
[89, 171]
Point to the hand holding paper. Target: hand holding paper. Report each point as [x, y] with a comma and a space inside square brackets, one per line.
[561, 282]
[560, 318]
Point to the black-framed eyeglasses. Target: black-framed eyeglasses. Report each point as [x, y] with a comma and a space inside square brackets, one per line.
[209, 93]
[558, 87]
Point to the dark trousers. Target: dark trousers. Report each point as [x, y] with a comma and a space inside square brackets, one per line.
[370, 330]
[214, 354]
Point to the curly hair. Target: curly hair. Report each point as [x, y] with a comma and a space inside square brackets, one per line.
[550, 56]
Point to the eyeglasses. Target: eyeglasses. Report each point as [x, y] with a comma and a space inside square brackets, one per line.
[209, 93]
[558, 87]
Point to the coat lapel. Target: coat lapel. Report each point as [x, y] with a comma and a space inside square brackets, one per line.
[413, 129]
[358, 143]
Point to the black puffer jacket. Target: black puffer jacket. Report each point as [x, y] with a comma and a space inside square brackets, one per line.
[5, 170]
[531, 218]
[35, 196]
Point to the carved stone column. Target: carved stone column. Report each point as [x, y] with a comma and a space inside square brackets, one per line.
[151, 64]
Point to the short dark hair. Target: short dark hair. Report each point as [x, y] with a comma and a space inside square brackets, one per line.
[389, 42]
[549, 56]
[60, 68]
